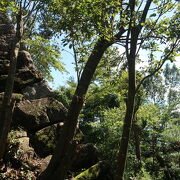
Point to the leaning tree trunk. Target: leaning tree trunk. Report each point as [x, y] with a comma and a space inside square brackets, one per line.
[61, 159]
[7, 104]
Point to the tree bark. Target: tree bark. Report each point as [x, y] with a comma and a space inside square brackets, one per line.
[136, 130]
[133, 31]
[127, 121]
[61, 159]
[136, 133]
[121, 161]
[7, 104]
[137, 140]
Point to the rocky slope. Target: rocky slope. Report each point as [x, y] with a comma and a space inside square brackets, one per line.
[37, 119]
[36, 107]
[37, 116]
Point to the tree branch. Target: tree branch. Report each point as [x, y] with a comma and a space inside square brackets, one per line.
[160, 65]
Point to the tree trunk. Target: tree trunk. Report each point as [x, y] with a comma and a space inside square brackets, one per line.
[132, 35]
[127, 121]
[131, 56]
[61, 159]
[136, 131]
[137, 140]
[7, 104]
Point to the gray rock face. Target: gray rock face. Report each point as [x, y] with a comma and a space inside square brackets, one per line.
[25, 61]
[37, 90]
[39, 114]
[42, 119]
[28, 80]
[26, 73]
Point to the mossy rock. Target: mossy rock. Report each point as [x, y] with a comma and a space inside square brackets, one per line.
[21, 81]
[33, 113]
[44, 141]
[100, 171]
[15, 97]
[37, 118]
[86, 155]
[3, 77]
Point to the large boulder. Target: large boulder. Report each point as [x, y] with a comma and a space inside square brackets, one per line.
[25, 61]
[21, 161]
[19, 151]
[44, 163]
[15, 97]
[37, 90]
[45, 140]
[84, 157]
[42, 119]
[32, 114]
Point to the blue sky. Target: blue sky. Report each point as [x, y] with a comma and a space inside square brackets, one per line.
[67, 58]
[61, 78]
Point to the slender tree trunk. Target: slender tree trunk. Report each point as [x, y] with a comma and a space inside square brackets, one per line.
[121, 163]
[7, 104]
[136, 131]
[137, 140]
[61, 159]
[132, 35]
[131, 56]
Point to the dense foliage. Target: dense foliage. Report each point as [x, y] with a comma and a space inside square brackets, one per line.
[157, 118]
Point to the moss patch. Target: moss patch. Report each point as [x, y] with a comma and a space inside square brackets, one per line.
[91, 173]
[44, 141]
[23, 82]
[15, 96]
[3, 77]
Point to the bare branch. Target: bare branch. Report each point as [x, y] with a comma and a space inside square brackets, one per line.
[24, 4]
[148, 35]
[138, 9]
[176, 44]
[35, 8]
[145, 11]
[76, 61]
